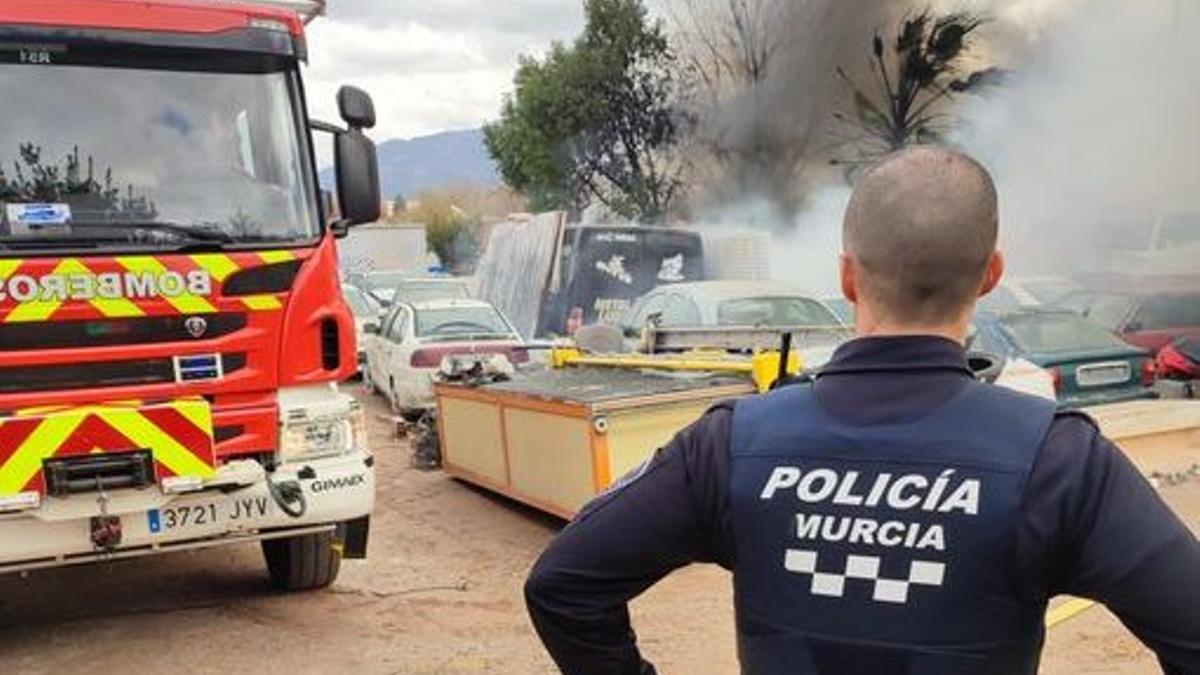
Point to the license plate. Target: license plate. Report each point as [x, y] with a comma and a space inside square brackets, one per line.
[205, 516]
[1103, 373]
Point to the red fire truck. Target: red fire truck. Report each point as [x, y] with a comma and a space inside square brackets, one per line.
[172, 328]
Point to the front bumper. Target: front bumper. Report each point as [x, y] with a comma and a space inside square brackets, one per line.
[1177, 389]
[237, 505]
[414, 390]
[1102, 397]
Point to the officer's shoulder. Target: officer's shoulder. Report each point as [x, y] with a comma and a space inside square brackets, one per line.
[1073, 417]
[1073, 441]
[719, 413]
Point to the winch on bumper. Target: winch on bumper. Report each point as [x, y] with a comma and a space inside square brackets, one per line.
[59, 531]
[309, 506]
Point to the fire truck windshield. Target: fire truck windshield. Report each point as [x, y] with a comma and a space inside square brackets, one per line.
[151, 157]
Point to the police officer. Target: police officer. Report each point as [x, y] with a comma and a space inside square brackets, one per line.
[897, 516]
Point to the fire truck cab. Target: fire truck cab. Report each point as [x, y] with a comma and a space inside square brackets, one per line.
[172, 328]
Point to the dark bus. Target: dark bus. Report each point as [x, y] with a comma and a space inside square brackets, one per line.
[603, 269]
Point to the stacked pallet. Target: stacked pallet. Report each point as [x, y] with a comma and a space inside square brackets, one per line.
[1161, 437]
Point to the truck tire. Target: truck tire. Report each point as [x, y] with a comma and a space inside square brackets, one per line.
[305, 562]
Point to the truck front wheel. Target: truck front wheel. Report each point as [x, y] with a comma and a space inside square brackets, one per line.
[305, 562]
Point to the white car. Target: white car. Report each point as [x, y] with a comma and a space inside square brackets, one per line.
[410, 290]
[1031, 291]
[731, 303]
[407, 348]
[365, 310]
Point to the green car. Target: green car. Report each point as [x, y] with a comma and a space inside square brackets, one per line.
[1090, 365]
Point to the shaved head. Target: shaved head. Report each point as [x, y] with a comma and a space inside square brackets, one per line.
[920, 231]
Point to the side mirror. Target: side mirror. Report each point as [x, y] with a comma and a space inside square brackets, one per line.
[354, 162]
[1134, 327]
[357, 177]
[371, 329]
[356, 108]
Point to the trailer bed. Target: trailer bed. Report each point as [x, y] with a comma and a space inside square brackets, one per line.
[555, 439]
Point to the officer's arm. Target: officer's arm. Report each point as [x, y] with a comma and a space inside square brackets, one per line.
[1122, 545]
[670, 513]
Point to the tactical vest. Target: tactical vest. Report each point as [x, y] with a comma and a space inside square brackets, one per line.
[883, 549]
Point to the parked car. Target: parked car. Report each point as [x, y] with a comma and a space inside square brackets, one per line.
[1039, 290]
[412, 291]
[731, 303]
[1032, 291]
[1002, 370]
[1149, 319]
[843, 308]
[1089, 364]
[366, 310]
[763, 304]
[413, 339]
[1179, 368]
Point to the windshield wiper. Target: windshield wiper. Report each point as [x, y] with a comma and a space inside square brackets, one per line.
[191, 232]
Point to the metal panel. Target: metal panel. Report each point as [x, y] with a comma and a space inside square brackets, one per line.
[550, 457]
[473, 437]
[634, 435]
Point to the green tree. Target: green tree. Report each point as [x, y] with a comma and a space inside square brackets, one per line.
[451, 233]
[596, 120]
[904, 103]
[454, 242]
[35, 180]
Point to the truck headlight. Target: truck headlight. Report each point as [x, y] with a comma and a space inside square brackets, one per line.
[313, 432]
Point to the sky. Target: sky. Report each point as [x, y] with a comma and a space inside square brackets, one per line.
[430, 65]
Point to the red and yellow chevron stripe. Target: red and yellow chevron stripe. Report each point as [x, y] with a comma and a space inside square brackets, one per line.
[41, 289]
[178, 433]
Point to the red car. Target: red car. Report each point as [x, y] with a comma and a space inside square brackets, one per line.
[1149, 318]
[1179, 368]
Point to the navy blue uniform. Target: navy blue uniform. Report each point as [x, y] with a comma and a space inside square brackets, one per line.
[857, 548]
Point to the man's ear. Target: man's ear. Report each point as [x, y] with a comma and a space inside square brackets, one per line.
[994, 273]
[849, 281]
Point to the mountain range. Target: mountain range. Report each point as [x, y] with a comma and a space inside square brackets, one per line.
[408, 166]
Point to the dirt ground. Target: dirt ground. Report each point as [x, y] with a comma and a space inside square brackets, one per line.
[440, 593]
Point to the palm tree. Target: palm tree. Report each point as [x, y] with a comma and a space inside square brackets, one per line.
[904, 105]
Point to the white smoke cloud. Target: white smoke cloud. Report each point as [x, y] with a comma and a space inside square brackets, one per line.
[1099, 124]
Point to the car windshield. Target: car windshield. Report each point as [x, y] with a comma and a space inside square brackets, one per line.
[1000, 299]
[843, 308]
[176, 155]
[425, 291]
[1166, 312]
[454, 322]
[1046, 333]
[1109, 311]
[1049, 291]
[360, 304]
[775, 311]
